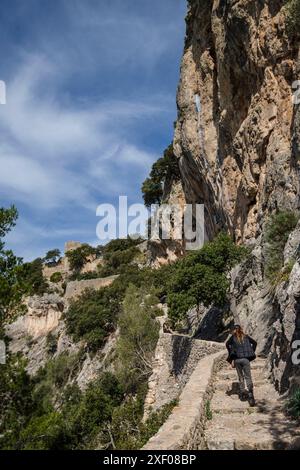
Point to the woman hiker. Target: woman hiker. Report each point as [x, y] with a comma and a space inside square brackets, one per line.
[241, 350]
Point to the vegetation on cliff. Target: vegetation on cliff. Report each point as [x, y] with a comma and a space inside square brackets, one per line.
[292, 11]
[293, 405]
[164, 169]
[278, 228]
[201, 278]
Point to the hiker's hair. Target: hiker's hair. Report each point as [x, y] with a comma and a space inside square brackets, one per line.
[239, 334]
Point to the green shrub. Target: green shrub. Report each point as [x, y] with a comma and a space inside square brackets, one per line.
[84, 276]
[138, 336]
[56, 277]
[278, 229]
[283, 275]
[208, 412]
[78, 258]
[12, 286]
[51, 343]
[292, 12]
[120, 244]
[31, 276]
[52, 378]
[93, 316]
[117, 255]
[293, 405]
[155, 421]
[44, 432]
[127, 431]
[201, 277]
[165, 167]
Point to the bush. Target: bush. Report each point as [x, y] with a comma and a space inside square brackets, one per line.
[293, 406]
[115, 261]
[155, 421]
[93, 316]
[201, 277]
[31, 276]
[120, 244]
[292, 12]
[278, 229]
[44, 432]
[56, 277]
[118, 254]
[85, 276]
[165, 167]
[138, 336]
[51, 343]
[78, 258]
[127, 431]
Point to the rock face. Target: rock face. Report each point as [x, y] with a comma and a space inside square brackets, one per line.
[236, 119]
[30, 335]
[237, 139]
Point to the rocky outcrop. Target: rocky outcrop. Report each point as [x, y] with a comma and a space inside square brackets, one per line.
[42, 317]
[271, 313]
[236, 119]
[28, 334]
[40, 334]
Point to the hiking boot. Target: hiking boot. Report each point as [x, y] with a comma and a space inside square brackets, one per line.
[243, 396]
[251, 399]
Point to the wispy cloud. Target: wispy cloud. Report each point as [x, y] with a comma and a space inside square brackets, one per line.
[88, 108]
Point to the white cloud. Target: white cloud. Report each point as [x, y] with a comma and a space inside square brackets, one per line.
[71, 133]
[52, 155]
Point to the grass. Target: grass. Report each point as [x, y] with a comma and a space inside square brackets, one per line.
[208, 412]
[293, 405]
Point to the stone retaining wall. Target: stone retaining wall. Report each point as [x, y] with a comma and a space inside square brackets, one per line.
[75, 288]
[176, 357]
[184, 429]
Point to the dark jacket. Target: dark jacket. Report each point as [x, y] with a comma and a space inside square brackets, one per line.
[244, 350]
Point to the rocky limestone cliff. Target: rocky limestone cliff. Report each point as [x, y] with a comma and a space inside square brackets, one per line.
[237, 139]
[237, 132]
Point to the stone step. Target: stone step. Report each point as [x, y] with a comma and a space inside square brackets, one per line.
[254, 365]
[248, 444]
[251, 431]
[265, 401]
[226, 385]
[257, 364]
[231, 374]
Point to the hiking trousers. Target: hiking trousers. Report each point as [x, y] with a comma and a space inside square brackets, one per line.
[244, 373]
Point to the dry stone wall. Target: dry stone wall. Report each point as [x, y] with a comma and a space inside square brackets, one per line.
[75, 288]
[184, 429]
[176, 357]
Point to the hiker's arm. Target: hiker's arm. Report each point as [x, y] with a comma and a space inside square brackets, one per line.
[228, 344]
[253, 343]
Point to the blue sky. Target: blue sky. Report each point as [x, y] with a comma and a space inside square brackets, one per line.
[91, 101]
